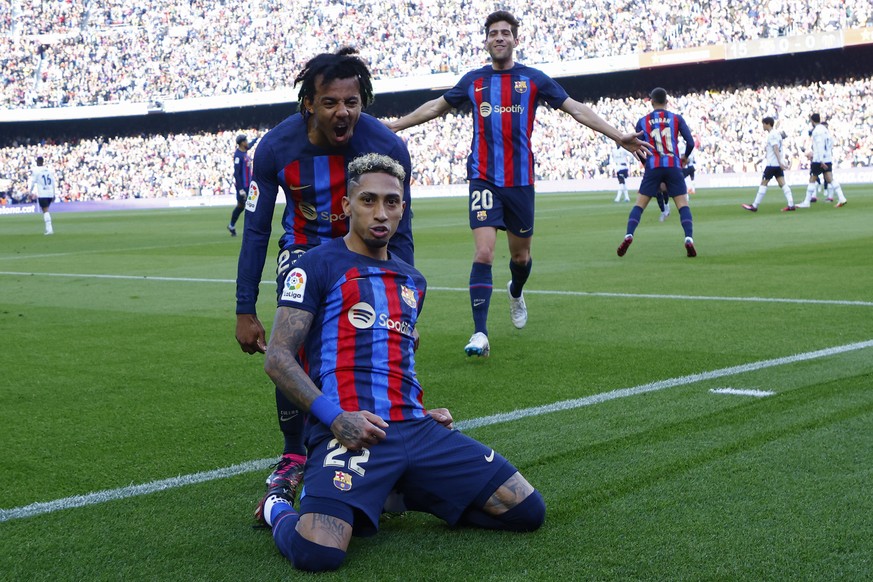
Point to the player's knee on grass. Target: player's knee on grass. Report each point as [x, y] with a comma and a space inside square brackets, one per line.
[311, 557]
[527, 516]
[303, 554]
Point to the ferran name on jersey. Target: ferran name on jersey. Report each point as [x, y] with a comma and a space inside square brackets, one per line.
[252, 198]
[295, 285]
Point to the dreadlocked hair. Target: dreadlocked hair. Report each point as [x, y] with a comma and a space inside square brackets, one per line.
[343, 64]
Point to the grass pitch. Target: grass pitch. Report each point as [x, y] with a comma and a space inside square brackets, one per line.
[120, 374]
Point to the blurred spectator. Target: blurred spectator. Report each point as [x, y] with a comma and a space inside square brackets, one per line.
[727, 125]
[73, 52]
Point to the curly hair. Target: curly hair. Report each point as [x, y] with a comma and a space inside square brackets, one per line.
[372, 163]
[343, 64]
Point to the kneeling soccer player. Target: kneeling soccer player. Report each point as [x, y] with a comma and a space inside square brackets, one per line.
[342, 348]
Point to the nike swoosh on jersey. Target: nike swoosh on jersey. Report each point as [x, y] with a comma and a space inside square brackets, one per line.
[299, 187]
[490, 457]
[477, 89]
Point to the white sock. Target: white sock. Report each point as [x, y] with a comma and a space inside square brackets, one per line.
[839, 189]
[759, 196]
[47, 217]
[810, 193]
[624, 190]
[268, 507]
[618, 195]
[788, 196]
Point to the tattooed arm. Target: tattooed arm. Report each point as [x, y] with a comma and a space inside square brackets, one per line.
[354, 430]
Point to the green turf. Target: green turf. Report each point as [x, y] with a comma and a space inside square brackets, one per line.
[119, 368]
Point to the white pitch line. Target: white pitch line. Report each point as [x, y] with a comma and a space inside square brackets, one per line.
[122, 277]
[466, 290]
[680, 297]
[134, 490]
[660, 385]
[742, 392]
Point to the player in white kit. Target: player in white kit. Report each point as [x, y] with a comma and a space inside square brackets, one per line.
[822, 164]
[774, 167]
[43, 182]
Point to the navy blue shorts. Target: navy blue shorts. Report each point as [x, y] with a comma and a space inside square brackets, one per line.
[672, 177]
[44, 203]
[442, 470]
[510, 209]
[621, 175]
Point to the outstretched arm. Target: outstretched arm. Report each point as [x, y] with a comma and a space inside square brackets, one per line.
[587, 117]
[427, 111]
[354, 430]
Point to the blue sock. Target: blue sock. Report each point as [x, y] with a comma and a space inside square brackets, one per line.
[291, 423]
[520, 273]
[480, 295]
[685, 220]
[633, 220]
[284, 520]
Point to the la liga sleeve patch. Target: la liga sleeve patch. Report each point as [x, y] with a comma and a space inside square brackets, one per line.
[252, 199]
[295, 285]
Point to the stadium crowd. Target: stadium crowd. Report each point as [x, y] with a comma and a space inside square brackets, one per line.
[82, 52]
[726, 123]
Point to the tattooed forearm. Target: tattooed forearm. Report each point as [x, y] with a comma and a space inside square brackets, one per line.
[289, 332]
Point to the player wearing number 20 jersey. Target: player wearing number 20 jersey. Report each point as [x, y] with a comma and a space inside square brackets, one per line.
[504, 97]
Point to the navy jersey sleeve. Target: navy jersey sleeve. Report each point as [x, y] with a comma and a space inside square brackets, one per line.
[304, 286]
[260, 204]
[239, 168]
[457, 95]
[402, 244]
[549, 90]
[686, 135]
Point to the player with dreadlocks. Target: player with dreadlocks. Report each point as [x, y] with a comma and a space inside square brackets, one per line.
[306, 155]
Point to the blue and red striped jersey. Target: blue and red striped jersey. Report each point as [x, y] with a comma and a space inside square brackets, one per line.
[504, 107]
[242, 170]
[662, 129]
[359, 350]
[313, 181]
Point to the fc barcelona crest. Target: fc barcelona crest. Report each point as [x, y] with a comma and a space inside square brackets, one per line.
[408, 296]
[520, 86]
[342, 481]
[482, 215]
